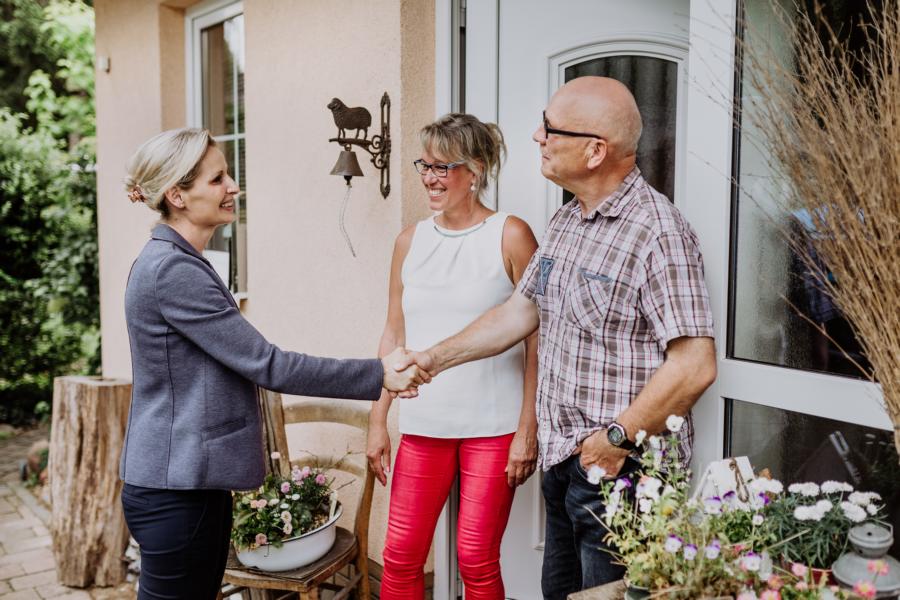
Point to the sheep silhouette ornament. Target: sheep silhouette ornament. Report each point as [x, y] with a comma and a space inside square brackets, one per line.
[346, 118]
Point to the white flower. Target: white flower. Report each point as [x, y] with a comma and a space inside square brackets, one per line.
[674, 423]
[287, 529]
[284, 505]
[621, 484]
[863, 498]
[810, 490]
[286, 516]
[871, 509]
[690, 552]
[595, 474]
[823, 506]
[673, 544]
[655, 442]
[853, 512]
[712, 551]
[758, 519]
[644, 505]
[639, 437]
[668, 490]
[712, 505]
[750, 561]
[648, 487]
[763, 485]
[295, 496]
[833, 487]
[273, 502]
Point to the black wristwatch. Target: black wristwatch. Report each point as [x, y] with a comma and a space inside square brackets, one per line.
[618, 437]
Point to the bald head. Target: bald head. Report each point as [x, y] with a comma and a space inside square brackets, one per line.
[602, 105]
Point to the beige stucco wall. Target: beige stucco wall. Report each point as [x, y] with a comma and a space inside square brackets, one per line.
[305, 291]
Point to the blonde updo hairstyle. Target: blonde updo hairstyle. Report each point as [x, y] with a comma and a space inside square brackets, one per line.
[460, 137]
[168, 159]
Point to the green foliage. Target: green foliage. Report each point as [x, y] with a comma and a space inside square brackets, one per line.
[48, 276]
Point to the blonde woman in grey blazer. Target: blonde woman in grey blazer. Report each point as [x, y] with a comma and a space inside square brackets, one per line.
[194, 429]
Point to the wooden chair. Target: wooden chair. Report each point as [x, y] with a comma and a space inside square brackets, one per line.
[350, 548]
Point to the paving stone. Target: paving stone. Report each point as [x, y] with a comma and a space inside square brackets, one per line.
[40, 564]
[14, 570]
[56, 590]
[24, 557]
[29, 543]
[40, 530]
[35, 580]
[76, 595]
[22, 595]
[5, 506]
[4, 587]
[5, 490]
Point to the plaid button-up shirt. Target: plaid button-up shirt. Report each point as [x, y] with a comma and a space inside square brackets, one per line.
[613, 288]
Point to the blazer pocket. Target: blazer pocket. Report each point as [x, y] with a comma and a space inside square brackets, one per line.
[223, 429]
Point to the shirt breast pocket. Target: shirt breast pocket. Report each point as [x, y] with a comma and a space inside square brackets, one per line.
[589, 300]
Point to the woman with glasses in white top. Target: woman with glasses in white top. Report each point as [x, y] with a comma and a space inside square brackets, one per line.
[476, 420]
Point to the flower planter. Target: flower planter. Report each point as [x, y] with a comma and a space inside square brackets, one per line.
[295, 552]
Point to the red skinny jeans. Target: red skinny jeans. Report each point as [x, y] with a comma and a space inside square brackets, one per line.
[423, 473]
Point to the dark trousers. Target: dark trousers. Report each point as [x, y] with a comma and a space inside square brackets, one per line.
[183, 535]
[574, 552]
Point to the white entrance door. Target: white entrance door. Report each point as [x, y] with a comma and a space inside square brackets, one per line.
[518, 52]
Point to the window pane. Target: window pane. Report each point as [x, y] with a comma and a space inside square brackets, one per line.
[796, 447]
[222, 85]
[654, 83]
[768, 278]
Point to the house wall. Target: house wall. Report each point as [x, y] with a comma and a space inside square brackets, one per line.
[305, 290]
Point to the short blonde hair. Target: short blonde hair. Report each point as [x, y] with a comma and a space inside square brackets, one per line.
[168, 159]
[460, 137]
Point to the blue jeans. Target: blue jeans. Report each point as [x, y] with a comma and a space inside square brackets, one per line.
[183, 535]
[575, 557]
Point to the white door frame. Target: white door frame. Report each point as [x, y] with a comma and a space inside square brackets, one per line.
[706, 202]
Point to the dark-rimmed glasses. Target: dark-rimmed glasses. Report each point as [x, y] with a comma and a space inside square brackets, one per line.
[548, 130]
[438, 170]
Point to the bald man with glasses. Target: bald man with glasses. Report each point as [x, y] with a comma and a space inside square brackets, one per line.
[625, 331]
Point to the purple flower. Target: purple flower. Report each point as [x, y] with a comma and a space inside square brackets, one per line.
[285, 487]
[261, 539]
[320, 479]
[712, 550]
[690, 552]
[751, 561]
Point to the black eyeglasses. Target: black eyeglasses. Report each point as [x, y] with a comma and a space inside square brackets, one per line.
[438, 170]
[548, 130]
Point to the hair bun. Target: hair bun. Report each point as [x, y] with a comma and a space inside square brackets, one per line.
[137, 194]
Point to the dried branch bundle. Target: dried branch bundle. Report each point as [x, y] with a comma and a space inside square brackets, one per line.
[831, 133]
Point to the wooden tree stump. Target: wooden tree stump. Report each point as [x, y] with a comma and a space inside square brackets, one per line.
[86, 438]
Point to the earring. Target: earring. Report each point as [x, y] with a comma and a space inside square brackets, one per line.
[473, 187]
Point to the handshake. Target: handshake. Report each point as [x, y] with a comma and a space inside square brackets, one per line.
[405, 371]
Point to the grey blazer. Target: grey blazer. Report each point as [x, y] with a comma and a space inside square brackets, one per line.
[194, 421]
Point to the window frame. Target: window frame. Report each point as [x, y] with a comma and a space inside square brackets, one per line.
[197, 18]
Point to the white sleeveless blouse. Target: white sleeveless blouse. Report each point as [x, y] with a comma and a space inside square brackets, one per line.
[449, 279]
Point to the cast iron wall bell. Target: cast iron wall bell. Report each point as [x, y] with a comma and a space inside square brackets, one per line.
[359, 120]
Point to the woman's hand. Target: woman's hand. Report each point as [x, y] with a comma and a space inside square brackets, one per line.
[522, 456]
[378, 452]
[406, 382]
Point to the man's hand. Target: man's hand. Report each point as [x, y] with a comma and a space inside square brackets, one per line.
[400, 378]
[378, 451]
[424, 360]
[596, 450]
[522, 457]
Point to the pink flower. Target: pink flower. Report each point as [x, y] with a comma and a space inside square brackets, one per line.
[879, 567]
[261, 539]
[775, 582]
[746, 595]
[305, 472]
[864, 589]
[253, 504]
[320, 479]
[801, 585]
[770, 595]
[285, 487]
[799, 570]
[287, 529]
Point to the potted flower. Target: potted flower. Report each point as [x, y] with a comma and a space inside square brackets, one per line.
[677, 547]
[287, 522]
[815, 520]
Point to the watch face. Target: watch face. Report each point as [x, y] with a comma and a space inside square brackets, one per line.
[615, 435]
